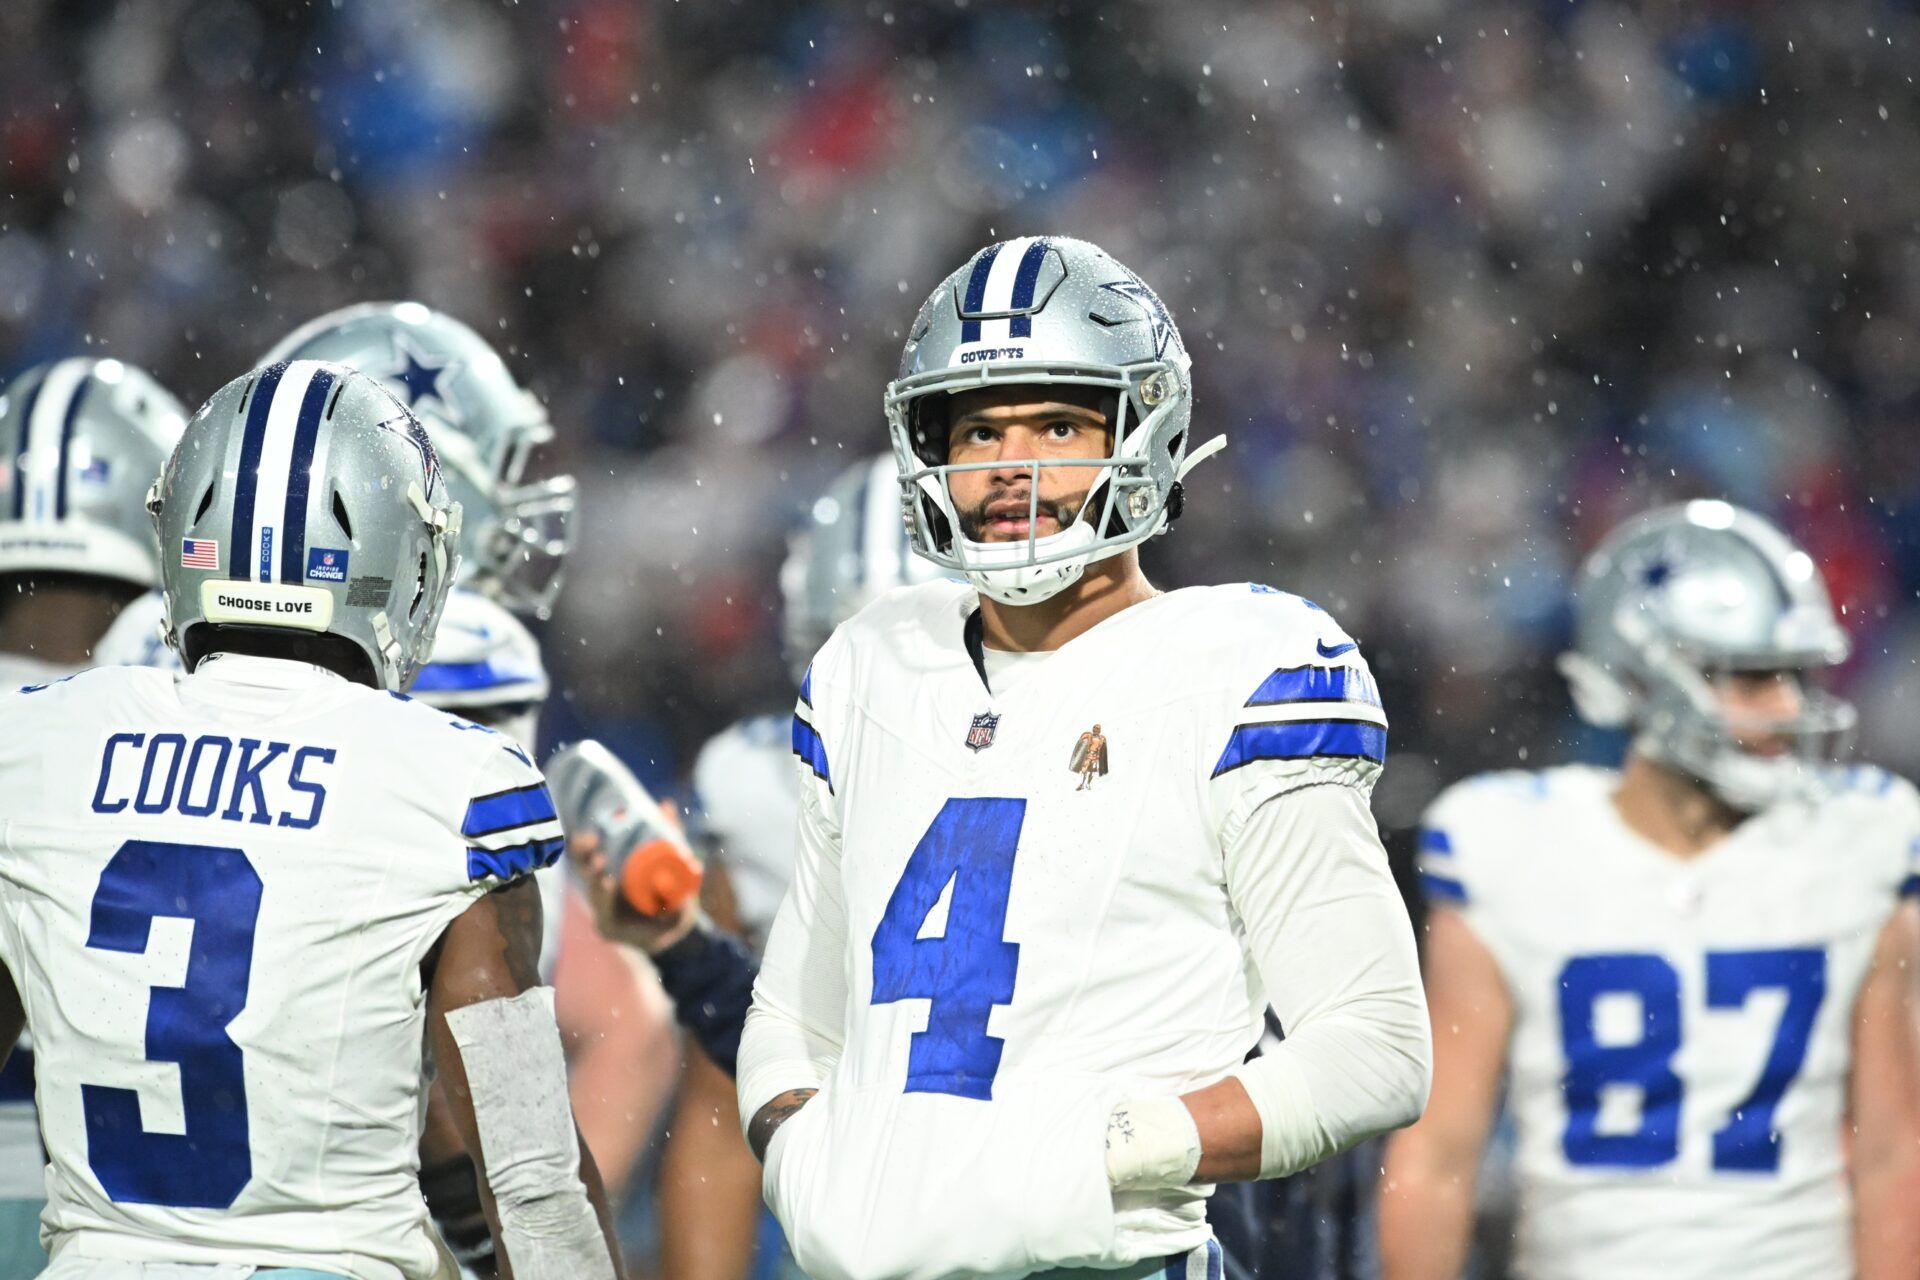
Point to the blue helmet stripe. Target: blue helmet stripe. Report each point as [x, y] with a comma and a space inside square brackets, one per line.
[1023, 283]
[306, 433]
[246, 479]
[67, 424]
[20, 448]
[976, 293]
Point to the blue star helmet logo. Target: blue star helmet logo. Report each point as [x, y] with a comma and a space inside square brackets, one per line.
[414, 432]
[1136, 290]
[1655, 572]
[419, 375]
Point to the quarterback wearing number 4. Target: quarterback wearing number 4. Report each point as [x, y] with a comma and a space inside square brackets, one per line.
[1001, 1024]
[1695, 973]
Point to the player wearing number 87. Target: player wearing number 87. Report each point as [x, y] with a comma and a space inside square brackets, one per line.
[1696, 972]
[1001, 1022]
[226, 890]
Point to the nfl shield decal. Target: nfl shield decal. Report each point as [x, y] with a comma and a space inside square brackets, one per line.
[327, 564]
[980, 733]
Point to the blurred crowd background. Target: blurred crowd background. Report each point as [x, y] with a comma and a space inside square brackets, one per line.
[1464, 283]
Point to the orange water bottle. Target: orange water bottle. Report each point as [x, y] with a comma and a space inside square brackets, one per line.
[646, 852]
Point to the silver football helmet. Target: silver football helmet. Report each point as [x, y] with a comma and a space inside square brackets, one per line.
[304, 497]
[853, 547]
[485, 425]
[1045, 309]
[1671, 600]
[83, 438]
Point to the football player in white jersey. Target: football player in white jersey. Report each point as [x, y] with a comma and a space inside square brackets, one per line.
[1694, 973]
[83, 438]
[238, 900]
[852, 547]
[1000, 1025]
[487, 430]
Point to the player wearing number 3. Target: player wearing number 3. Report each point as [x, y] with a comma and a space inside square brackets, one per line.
[235, 900]
[1696, 972]
[1000, 1025]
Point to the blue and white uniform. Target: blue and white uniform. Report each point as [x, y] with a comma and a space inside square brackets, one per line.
[216, 892]
[484, 659]
[1014, 906]
[1680, 1053]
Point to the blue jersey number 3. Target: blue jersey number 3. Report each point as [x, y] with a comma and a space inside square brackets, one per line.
[970, 969]
[219, 891]
[1747, 1142]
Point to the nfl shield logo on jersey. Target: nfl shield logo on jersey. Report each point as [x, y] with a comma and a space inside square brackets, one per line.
[980, 733]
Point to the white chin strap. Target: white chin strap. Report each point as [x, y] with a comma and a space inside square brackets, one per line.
[1019, 582]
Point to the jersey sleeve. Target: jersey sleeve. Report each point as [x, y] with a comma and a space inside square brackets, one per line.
[1904, 817]
[1298, 707]
[1452, 856]
[509, 827]
[809, 747]
[797, 1024]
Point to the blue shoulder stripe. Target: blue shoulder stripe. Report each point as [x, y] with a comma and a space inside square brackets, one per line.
[514, 860]
[1434, 840]
[1442, 888]
[1303, 740]
[806, 686]
[505, 810]
[1315, 684]
[807, 745]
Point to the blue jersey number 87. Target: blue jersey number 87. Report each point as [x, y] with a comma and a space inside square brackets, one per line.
[1748, 1141]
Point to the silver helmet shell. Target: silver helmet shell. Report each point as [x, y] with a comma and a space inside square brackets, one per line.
[83, 438]
[304, 497]
[485, 425]
[1032, 311]
[1679, 595]
[853, 547]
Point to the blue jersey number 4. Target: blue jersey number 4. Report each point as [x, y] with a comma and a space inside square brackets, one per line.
[1748, 1141]
[219, 891]
[969, 969]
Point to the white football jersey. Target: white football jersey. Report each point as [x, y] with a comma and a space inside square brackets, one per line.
[216, 892]
[746, 796]
[483, 656]
[1679, 1061]
[20, 1156]
[1033, 876]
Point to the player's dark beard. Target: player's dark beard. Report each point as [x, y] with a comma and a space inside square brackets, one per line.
[973, 522]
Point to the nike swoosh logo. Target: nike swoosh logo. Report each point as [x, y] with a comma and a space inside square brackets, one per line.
[1336, 651]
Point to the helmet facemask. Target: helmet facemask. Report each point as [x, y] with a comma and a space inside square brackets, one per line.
[1698, 734]
[1676, 604]
[1126, 502]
